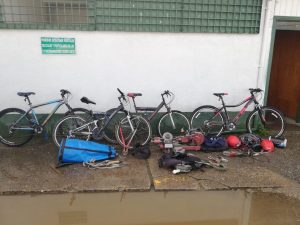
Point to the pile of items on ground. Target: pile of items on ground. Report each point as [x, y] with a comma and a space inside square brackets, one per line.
[175, 157]
[174, 149]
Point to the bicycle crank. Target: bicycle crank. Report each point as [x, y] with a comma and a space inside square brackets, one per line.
[231, 126]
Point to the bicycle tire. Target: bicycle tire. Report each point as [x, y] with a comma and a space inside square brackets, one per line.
[63, 127]
[82, 112]
[9, 116]
[200, 116]
[181, 122]
[274, 127]
[109, 130]
[142, 135]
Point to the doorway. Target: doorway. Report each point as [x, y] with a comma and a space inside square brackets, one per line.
[284, 84]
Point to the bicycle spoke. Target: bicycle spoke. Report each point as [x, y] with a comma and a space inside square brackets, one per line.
[141, 133]
[71, 127]
[15, 128]
[267, 122]
[207, 120]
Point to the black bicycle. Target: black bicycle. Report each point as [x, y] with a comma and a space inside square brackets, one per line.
[17, 127]
[173, 121]
[263, 119]
[130, 128]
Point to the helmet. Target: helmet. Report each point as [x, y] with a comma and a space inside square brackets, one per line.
[267, 145]
[233, 141]
[251, 141]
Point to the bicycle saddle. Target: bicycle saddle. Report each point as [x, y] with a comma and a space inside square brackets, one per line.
[220, 94]
[87, 101]
[25, 94]
[132, 95]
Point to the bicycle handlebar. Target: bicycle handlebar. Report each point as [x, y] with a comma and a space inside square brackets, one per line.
[166, 92]
[254, 90]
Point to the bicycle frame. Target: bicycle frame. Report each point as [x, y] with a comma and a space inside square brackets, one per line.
[154, 110]
[107, 120]
[249, 100]
[59, 102]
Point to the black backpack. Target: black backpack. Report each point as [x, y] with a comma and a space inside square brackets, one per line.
[170, 160]
[141, 151]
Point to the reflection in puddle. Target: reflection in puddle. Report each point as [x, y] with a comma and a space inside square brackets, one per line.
[150, 208]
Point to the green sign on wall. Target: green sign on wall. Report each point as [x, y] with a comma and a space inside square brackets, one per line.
[51, 45]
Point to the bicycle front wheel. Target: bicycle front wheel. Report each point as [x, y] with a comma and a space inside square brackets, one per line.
[133, 131]
[174, 122]
[208, 120]
[15, 127]
[266, 121]
[71, 127]
[109, 130]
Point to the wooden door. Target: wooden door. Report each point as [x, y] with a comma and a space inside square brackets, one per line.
[284, 85]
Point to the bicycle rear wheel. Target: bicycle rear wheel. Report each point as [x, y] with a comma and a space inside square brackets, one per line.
[15, 128]
[266, 122]
[82, 112]
[71, 127]
[141, 133]
[176, 118]
[207, 119]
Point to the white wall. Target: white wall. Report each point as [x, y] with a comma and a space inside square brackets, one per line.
[287, 8]
[193, 66]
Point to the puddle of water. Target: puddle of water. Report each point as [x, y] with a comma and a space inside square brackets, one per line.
[150, 208]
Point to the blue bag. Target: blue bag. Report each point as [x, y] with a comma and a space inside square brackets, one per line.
[214, 144]
[77, 151]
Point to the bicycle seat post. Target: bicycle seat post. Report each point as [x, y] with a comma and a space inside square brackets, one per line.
[28, 100]
[222, 100]
[133, 100]
[220, 96]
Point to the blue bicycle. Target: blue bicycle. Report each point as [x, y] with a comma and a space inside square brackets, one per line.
[17, 127]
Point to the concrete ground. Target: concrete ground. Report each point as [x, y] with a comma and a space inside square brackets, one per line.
[31, 169]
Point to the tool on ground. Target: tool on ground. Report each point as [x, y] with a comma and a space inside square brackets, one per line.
[190, 142]
[106, 164]
[214, 164]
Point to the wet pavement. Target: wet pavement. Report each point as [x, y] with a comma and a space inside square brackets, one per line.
[157, 208]
[31, 169]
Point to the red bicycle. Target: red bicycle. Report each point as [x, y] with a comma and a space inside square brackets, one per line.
[213, 120]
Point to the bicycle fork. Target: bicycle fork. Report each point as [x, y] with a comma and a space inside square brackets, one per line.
[129, 121]
[171, 118]
[127, 145]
